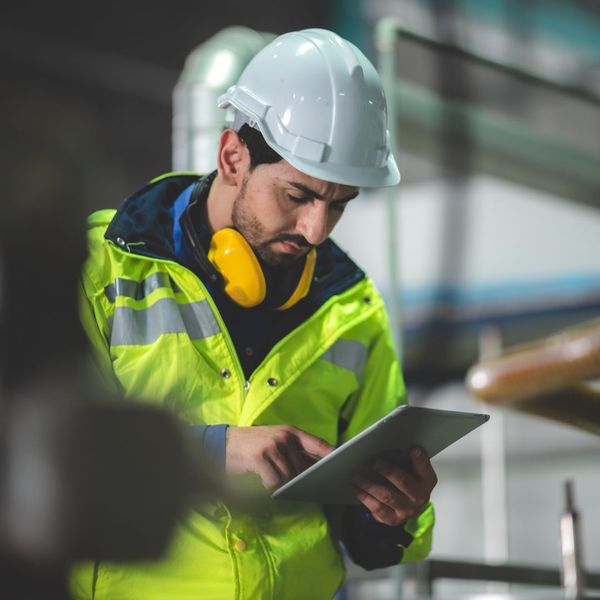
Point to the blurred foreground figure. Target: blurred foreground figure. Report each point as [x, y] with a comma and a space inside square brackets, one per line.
[84, 475]
[223, 296]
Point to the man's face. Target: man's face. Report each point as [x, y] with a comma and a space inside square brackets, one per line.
[284, 213]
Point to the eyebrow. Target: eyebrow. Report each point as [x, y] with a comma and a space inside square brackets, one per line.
[306, 190]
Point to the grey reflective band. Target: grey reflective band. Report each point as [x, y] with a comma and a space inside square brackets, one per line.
[139, 289]
[131, 327]
[348, 354]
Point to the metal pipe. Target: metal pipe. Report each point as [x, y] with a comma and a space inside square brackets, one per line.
[523, 74]
[386, 33]
[421, 576]
[209, 70]
[573, 577]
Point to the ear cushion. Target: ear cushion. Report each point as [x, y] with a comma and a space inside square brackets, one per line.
[232, 256]
[249, 281]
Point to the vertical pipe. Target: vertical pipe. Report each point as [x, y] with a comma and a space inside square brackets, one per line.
[493, 469]
[208, 71]
[386, 33]
[573, 577]
[494, 489]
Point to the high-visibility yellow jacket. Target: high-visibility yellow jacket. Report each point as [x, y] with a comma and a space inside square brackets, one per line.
[159, 335]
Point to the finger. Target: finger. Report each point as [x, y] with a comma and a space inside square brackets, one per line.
[289, 457]
[305, 460]
[297, 457]
[277, 455]
[312, 444]
[400, 479]
[423, 468]
[384, 494]
[309, 460]
[381, 512]
[269, 475]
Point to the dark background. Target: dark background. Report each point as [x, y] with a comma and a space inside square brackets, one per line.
[103, 74]
[86, 91]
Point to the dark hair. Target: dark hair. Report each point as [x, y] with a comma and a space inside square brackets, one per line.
[260, 152]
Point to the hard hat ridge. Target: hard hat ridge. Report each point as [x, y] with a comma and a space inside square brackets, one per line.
[357, 74]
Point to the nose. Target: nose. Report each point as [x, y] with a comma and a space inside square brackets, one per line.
[312, 223]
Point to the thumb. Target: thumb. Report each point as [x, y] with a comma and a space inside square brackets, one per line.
[421, 462]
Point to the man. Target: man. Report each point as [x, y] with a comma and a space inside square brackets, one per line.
[224, 298]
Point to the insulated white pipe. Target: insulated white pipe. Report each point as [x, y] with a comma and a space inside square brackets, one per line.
[208, 71]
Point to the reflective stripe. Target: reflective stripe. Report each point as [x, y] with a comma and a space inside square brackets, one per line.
[348, 354]
[130, 327]
[139, 289]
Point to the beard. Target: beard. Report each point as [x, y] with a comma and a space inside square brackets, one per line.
[254, 233]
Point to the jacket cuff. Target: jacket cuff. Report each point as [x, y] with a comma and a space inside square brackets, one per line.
[371, 544]
[212, 440]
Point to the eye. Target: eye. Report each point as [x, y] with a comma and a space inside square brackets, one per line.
[297, 200]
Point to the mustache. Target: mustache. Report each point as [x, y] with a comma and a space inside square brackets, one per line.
[297, 239]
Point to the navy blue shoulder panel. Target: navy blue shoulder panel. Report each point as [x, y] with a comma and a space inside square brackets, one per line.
[144, 220]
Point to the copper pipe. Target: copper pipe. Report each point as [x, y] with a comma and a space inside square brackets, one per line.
[546, 377]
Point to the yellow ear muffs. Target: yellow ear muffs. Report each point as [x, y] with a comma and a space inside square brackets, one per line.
[244, 280]
[233, 257]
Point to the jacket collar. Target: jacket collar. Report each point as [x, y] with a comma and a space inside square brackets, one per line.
[144, 225]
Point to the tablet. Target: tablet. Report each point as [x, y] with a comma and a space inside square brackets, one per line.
[392, 437]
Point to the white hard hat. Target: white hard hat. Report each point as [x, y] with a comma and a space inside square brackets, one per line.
[319, 103]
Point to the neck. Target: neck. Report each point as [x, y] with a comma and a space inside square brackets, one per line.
[219, 205]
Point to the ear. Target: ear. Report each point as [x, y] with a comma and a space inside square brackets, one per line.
[233, 158]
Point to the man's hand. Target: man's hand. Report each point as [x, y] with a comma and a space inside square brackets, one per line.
[403, 495]
[276, 453]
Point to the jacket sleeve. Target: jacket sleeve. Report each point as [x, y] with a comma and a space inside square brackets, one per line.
[369, 543]
[213, 442]
[94, 320]
[95, 325]
[95, 309]
[373, 545]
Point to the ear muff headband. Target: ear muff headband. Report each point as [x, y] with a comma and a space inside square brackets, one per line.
[244, 280]
[304, 282]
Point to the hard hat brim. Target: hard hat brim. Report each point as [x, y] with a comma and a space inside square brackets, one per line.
[386, 176]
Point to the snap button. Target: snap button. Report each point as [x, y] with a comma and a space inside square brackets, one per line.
[225, 373]
[247, 386]
[367, 299]
[240, 545]
[120, 241]
[272, 381]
